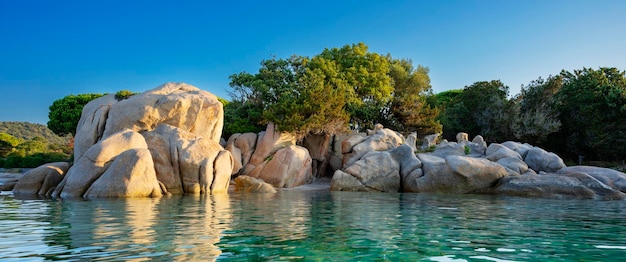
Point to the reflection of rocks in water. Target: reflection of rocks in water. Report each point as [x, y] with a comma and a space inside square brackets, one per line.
[185, 228]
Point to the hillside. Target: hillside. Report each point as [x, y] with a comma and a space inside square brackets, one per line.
[27, 131]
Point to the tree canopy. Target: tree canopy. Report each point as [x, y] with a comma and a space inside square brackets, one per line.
[340, 88]
[65, 113]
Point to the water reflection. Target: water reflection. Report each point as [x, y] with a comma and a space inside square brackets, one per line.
[312, 225]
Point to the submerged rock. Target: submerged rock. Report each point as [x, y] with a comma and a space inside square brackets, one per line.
[41, 180]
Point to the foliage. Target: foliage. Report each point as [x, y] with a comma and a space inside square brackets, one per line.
[65, 113]
[32, 161]
[409, 105]
[336, 89]
[592, 108]
[26, 131]
[481, 108]
[124, 94]
[537, 116]
[287, 93]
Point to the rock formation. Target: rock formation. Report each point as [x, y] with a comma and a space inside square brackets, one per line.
[272, 157]
[162, 141]
[379, 163]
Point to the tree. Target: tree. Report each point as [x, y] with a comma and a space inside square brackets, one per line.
[537, 116]
[65, 113]
[361, 76]
[592, 108]
[7, 143]
[287, 93]
[409, 105]
[481, 108]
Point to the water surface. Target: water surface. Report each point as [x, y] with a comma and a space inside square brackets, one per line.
[313, 225]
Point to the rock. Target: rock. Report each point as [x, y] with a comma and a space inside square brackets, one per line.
[343, 181]
[410, 167]
[96, 160]
[521, 149]
[176, 104]
[429, 140]
[513, 163]
[496, 152]
[562, 186]
[41, 180]
[449, 149]
[288, 167]
[479, 145]
[461, 137]
[91, 124]
[348, 144]
[187, 163]
[375, 171]
[384, 139]
[411, 141]
[541, 160]
[9, 180]
[457, 174]
[268, 143]
[248, 184]
[131, 174]
[318, 147]
[336, 154]
[241, 147]
[612, 178]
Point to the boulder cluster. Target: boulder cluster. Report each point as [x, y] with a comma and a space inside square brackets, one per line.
[162, 141]
[385, 162]
[167, 141]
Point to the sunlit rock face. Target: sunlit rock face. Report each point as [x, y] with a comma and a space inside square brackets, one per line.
[162, 141]
[41, 180]
[274, 157]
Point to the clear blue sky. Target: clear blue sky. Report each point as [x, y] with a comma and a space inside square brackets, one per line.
[50, 49]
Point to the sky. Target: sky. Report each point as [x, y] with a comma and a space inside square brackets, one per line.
[50, 49]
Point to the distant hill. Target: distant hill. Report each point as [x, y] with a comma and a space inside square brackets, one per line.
[27, 131]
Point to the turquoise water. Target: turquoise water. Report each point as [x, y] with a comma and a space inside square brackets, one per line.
[313, 226]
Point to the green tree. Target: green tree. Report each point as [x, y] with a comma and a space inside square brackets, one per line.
[287, 93]
[7, 143]
[537, 116]
[361, 76]
[481, 108]
[409, 105]
[65, 113]
[592, 107]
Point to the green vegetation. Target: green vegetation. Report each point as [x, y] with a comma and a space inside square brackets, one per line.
[340, 88]
[25, 144]
[65, 113]
[124, 94]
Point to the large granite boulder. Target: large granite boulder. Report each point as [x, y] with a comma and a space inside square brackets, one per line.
[288, 167]
[541, 160]
[162, 141]
[176, 104]
[41, 180]
[457, 174]
[562, 186]
[241, 147]
[187, 163]
[381, 139]
[612, 178]
[268, 142]
[383, 171]
[248, 184]
[132, 168]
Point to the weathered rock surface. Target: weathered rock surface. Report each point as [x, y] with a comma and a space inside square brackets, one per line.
[187, 163]
[288, 167]
[429, 140]
[95, 162]
[562, 186]
[41, 180]
[162, 141]
[383, 139]
[241, 147]
[458, 174]
[541, 160]
[612, 178]
[248, 184]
